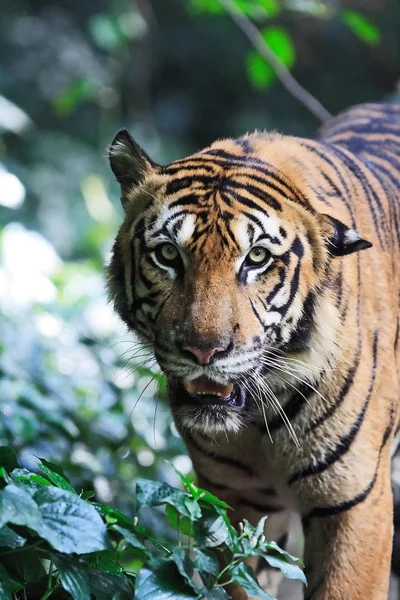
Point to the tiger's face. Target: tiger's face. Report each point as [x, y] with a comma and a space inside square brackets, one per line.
[218, 263]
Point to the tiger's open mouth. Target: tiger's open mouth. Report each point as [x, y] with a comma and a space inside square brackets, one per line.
[203, 391]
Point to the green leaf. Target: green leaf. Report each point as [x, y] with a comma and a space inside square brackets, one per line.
[17, 507]
[206, 561]
[155, 493]
[5, 588]
[105, 586]
[79, 90]
[243, 575]
[208, 567]
[68, 523]
[207, 6]
[106, 561]
[73, 576]
[54, 468]
[211, 530]
[58, 480]
[251, 8]
[8, 458]
[184, 563]
[289, 570]
[260, 73]
[182, 524]
[130, 538]
[28, 565]
[87, 581]
[159, 579]
[199, 493]
[10, 539]
[275, 548]
[361, 26]
[25, 476]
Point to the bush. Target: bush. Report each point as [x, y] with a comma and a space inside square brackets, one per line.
[55, 543]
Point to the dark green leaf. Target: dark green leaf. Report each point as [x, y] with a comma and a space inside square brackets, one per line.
[28, 565]
[159, 579]
[8, 458]
[361, 26]
[288, 570]
[243, 575]
[73, 576]
[274, 546]
[130, 538]
[87, 495]
[208, 567]
[10, 539]
[182, 524]
[68, 523]
[57, 479]
[54, 468]
[211, 530]
[199, 493]
[105, 586]
[106, 561]
[155, 493]
[5, 588]
[184, 563]
[25, 476]
[17, 507]
[206, 561]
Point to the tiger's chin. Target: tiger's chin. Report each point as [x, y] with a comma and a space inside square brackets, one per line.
[209, 413]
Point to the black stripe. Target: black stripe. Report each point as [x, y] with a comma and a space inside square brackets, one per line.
[343, 392]
[217, 486]
[256, 191]
[253, 165]
[337, 509]
[346, 440]
[218, 458]
[253, 308]
[262, 508]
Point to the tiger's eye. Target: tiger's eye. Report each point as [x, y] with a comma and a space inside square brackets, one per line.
[257, 256]
[166, 254]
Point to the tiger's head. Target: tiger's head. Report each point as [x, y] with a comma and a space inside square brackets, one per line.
[217, 264]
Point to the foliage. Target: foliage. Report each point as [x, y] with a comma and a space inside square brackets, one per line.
[260, 73]
[74, 386]
[51, 538]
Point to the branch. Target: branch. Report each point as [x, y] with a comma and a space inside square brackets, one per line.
[283, 74]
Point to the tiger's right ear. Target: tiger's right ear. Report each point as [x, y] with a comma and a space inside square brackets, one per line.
[129, 162]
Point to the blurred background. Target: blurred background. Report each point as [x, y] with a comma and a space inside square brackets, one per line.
[178, 74]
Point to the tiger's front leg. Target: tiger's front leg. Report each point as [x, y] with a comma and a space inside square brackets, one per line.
[348, 545]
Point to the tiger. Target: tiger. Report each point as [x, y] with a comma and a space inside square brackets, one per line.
[264, 274]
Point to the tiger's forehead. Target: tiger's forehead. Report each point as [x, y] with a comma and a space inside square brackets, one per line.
[232, 200]
[235, 226]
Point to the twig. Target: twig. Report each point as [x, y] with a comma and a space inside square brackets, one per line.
[283, 74]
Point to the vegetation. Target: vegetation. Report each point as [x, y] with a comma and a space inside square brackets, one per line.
[75, 387]
[52, 539]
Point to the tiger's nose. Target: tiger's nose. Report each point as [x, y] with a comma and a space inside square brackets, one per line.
[203, 357]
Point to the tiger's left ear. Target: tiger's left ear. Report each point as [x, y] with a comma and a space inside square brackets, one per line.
[344, 240]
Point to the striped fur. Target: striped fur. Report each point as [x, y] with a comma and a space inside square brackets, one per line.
[311, 336]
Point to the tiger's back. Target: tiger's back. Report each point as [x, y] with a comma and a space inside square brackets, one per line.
[241, 267]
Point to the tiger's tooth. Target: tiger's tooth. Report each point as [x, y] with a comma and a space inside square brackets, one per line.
[202, 386]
